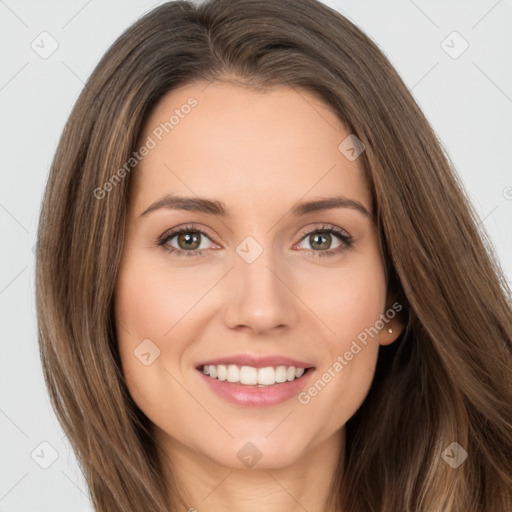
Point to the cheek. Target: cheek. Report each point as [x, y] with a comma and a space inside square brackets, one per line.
[151, 300]
[350, 306]
[145, 310]
[153, 305]
[351, 299]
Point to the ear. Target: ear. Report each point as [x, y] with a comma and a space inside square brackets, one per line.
[390, 332]
[393, 327]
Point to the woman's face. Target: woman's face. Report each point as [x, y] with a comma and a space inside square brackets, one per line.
[261, 277]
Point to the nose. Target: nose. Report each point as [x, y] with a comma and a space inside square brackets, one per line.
[259, 296]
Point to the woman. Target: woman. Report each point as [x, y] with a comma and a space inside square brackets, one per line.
[260, 285]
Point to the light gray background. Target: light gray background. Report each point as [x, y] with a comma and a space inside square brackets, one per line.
[468, 100]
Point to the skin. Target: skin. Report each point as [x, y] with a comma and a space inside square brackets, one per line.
[259, 153]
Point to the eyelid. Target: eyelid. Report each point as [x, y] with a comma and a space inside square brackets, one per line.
[170, 233]
[324, 227]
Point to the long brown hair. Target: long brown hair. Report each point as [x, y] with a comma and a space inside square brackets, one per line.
[446, 379]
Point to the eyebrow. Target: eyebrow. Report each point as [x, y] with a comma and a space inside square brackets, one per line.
[212, 207]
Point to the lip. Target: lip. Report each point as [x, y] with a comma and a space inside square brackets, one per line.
[254, 396]
[256, 361]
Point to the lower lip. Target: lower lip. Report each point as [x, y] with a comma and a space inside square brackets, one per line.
[254, 396]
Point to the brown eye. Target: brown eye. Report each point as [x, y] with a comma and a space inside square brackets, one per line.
[320, 240]
[189, 240]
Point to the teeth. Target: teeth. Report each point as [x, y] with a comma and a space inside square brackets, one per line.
[281, 374]
[253, 376]
[222, 372]
[248, 375]
[233, 373]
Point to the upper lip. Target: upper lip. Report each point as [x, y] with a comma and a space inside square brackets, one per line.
[256, 361]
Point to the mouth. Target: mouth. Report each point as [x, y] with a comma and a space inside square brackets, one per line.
[252, 376]
[252, 380]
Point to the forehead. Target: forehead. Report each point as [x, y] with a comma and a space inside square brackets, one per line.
[247, 147]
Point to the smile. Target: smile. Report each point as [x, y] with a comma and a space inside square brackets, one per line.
[251, 376]
[255, 387]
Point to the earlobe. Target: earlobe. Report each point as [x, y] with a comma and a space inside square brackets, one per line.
[390, 332]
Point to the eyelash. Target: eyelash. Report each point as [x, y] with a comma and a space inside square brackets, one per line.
[345, 238]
